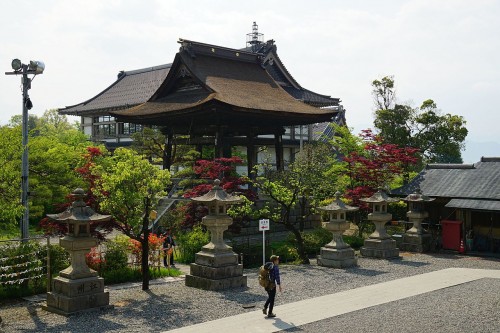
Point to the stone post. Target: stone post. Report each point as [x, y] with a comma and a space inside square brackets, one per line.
[77, 288]
[216, 266]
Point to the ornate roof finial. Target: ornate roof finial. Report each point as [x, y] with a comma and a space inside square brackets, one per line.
[254, 39]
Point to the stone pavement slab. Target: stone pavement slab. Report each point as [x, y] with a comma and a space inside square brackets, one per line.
[310, 310]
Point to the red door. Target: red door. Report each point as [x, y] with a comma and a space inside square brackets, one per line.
[451, 234]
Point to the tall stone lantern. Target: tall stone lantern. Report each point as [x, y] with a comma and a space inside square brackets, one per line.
[337, 253]
[216, 266]
[416, 238]
[379, 244]
[77, 287]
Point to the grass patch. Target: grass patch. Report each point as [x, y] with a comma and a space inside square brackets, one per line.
[133, 274]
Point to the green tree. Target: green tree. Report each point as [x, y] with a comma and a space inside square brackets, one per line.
[10, 177]
[128, 188]
[440, 137]
[304, 184]
[54, 152]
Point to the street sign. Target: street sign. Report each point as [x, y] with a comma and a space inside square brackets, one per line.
[263, 224]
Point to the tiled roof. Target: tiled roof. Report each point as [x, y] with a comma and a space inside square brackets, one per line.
[463, 181]
[242, 84]
[131, 88]
[474, 204]
[311, 97]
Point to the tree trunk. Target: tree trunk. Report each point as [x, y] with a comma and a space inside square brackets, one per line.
[145, 246]
[300, 246]
[301, 250]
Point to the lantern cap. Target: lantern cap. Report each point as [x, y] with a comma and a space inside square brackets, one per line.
[218, 194]
[417, 196]
[379, 196]
[338, 205]
[79, 211]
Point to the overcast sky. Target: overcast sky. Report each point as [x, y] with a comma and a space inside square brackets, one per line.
[446, 50]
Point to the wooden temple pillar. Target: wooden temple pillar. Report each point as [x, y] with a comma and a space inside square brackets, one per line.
[219, 142]
[251, 155]
[167, 151]
[278, 145]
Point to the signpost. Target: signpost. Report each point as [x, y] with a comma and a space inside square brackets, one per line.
[263, 226]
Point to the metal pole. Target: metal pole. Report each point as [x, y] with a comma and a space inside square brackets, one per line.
[263, 247]
[49, 268]
[24, 167]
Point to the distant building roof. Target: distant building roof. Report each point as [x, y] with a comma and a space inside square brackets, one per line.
[131, 88]
[458, 181]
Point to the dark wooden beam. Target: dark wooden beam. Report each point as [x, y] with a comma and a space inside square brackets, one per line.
[167, 151]
[278, 146]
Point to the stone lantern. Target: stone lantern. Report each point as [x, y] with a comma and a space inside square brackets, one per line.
[416, 239]
[337, 253]
[216, 266]
[77, 287]
[379, 244]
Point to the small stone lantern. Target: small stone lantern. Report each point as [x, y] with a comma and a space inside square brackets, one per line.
[337, 253]
[379, 244]
[216, 266]
[416, 239]
[77, 287]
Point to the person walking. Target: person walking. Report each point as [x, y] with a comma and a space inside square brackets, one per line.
[168, 250]
[274, 275]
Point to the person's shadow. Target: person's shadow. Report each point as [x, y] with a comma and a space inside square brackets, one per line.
[283, 325]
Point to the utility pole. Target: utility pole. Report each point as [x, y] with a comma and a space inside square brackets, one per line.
[34, 67]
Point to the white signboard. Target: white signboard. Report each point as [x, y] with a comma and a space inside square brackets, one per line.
[263, 224]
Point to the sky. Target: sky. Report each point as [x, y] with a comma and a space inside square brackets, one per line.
[446, 50]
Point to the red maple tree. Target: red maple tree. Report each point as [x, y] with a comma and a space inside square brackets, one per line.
[376, 166]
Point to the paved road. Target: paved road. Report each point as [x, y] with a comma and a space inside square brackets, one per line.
[294, 315]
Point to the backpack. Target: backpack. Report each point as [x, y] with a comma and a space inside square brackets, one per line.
[264, 276]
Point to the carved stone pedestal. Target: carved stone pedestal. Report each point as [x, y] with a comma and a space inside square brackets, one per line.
[417, 243]
[72, 296]
[380, 248]
[337, 253]
[380, 244]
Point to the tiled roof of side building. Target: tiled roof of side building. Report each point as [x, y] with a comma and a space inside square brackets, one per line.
[131, 88]
[468, 181]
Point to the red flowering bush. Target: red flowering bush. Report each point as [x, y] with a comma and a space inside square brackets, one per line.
[155, 246]
[95, 260]
[219, 168]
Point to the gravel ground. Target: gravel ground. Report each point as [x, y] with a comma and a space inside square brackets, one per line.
[471, 307]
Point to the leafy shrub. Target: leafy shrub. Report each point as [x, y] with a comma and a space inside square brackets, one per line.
[190, 243]
[133, 274]
[116, 256]
[355, 242]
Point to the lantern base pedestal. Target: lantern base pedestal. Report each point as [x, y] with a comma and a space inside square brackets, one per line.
[216, 270]
[416, 242]
[73, 296]
[216, 278]
[337, 258]
[380, 248]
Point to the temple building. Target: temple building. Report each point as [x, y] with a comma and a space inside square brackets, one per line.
[214, 96]
[466, 205]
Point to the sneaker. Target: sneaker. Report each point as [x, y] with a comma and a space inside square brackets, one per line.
[264, 311]
[271, 315]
